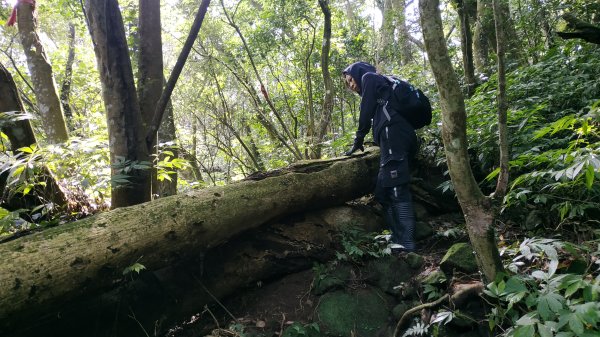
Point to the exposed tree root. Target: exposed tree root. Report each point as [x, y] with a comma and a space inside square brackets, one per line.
[458, 298]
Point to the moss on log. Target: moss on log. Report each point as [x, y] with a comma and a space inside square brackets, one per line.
[88, 256]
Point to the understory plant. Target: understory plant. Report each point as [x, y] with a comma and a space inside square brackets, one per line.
[553, 136]
[543, 295]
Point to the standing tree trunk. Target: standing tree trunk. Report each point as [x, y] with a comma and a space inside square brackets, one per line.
[502, 183]
[20, 134]
[476, 207]
[404, 38]
[481, 40]
[51, 113]
[466, 44]
[327, 110]
[128, 150]
[150, 86]
[65, 89]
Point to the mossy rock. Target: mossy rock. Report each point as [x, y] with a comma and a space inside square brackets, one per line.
[435, 277]
[414, 260]
[364, 313]
[423, 230]
[459, 257]
[388, 272]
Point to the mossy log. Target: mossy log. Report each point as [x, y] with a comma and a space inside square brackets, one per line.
[87, 257]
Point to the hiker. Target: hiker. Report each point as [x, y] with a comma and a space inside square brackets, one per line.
[398, 144]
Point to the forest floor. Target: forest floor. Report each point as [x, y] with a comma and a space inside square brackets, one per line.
[266, 309]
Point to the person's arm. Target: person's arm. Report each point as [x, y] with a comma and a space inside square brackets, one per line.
[368, 105]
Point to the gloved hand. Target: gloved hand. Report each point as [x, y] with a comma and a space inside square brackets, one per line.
[358, 145]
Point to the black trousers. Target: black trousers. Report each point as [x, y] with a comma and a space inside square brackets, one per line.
[398, 145]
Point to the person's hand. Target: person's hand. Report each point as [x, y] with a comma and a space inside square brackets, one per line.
[357, 146]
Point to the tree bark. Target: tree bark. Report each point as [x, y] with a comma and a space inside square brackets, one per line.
[481, 39]
[327, 109]
[150, 87]
[466, 44]
[581, 30]
[65, 88]
[51, 113]
[166, 297]
[502, 183]
[476, 207]
[129, 155]
[20, 134]
[88, 256]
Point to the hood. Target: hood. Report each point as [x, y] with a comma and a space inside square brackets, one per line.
[357, 70]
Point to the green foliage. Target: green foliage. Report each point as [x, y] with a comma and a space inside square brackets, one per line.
[553, 134]
[417, 329]
[539, 301]
[358, 245]
[302, 330]
[134, 268]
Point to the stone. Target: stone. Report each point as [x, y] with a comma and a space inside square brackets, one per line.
[423, 230]
[414, 260]
[459, 257]
[360, 313]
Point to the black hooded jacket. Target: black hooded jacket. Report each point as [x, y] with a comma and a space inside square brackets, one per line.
[375, 91]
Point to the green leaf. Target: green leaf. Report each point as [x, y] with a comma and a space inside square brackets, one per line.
[544, 330]
[590, 174]
[136, 267]
[549, 304]
[528, 319]
[576, 324]
[524, 331]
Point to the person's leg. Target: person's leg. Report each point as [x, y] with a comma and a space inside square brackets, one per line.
[403, 216]
[382, 195]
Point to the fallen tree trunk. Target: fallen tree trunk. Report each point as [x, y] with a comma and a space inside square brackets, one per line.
[87, 257]
[153, 303]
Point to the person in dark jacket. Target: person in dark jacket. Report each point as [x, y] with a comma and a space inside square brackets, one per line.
[398, 144]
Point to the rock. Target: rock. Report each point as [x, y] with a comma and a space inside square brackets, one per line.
[361, 313]
[459, 257]
[435, 277]
[423, 230]
[414, 260]
[388, 272]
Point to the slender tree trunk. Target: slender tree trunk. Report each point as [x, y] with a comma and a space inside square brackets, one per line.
[65, 90]
[481, 41]
[327, 110]
[404, 38]
[20, 134]
[476, 207]
[51, 113]
[466, 44]
[128, 151]
[167, 133]
[288, 140]
[514, 45]
[502, 183]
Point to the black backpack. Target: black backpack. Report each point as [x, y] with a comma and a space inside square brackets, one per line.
[410, 102]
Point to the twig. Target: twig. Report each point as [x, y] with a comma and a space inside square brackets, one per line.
[132, 316]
